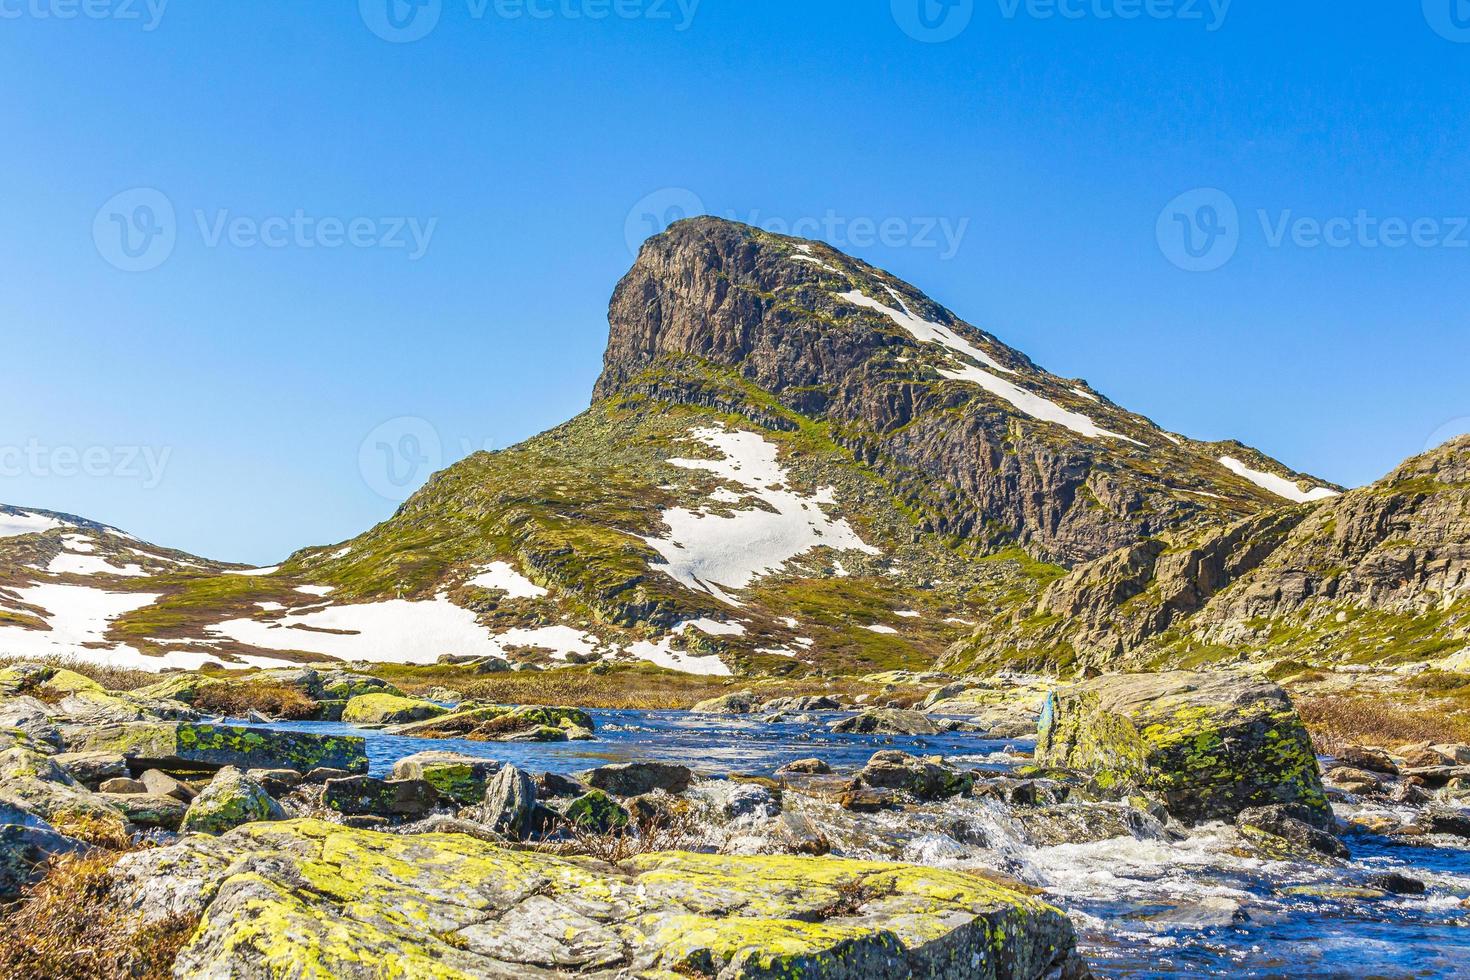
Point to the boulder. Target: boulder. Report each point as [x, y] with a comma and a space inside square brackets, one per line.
[1085, 823]
[230, 800]
[1208, 745]
[551, 785]
[1397, 884]
[24, 852]
[276, 782]
[509, 805]
[888, 721]
[1356, 781]
[356, 796]
[93, 768]
[637, 778]
[737, 703]
[1290, 831]
[454, 907]
[147, 810]
[596, 812]
[198, 748]
[1371, 759]
[388, 709]
[811, 702]
[456, 776]
[123, 785]
[502, 723]
[926, 779]
[805, 767]
[162, 784]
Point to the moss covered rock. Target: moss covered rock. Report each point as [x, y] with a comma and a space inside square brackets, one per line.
[596, 812]
[189, 747]
[389, 709]
[230, 800]
[1208, 745]
[455, 776]
[305, 898]
[503, 723]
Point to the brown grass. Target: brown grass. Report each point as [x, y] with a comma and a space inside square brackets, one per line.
[675, 831]
[65, 928]
[99, 831]
[237, 699]
[1341, 720]
[112, 678]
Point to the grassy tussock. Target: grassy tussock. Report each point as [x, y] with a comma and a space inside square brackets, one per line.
[237, 699]
[65, 928]
[112, 678]
[1340, 720]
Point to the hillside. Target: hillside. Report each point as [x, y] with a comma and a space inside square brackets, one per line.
[793, 462]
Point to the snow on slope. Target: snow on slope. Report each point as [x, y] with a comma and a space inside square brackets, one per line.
[502, 576]
[1278, 485]
[1026, 401]
[70, 564]
[397, 631]
[712, 552]
[21, 522]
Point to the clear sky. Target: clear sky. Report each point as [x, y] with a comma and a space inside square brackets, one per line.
[378, 243]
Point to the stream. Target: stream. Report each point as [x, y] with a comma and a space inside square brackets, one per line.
[1151, 904]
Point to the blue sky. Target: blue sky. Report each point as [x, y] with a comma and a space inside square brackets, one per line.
[242, 398]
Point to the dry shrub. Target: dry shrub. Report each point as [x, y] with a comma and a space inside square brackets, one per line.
[66, 928]
[110, 833]
[237, 699]
[112, 678]
[675, 830]
[1338, 721]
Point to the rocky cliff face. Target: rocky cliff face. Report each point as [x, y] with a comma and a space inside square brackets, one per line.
[1008, 452]
[1379, 573]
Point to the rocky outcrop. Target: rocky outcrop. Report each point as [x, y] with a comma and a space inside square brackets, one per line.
[825, 334]
[389, 709]
[1207, 745]
[230, 799]
[455, 776]
[188, 747]
[290, 898]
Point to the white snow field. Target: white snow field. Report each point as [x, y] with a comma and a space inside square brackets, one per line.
[14, 525]
[397, 631]
[713, 552]
[1278, 485]
[70, 564]
[1028, 402]
[503, 576]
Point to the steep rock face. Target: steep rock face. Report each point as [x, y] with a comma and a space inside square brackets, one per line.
[1011, 452]
[1379, 572]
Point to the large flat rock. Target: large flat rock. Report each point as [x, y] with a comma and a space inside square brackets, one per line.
[306, 898]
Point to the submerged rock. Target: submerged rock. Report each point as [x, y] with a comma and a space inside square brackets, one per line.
[230, 799]
[888, 721]
[1209, 745]
[738, 703]
[453, 907]
[637, 778]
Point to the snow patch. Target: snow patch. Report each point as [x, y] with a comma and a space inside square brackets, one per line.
[1028, 402]
[69, 564]
[710, 552]
[880, 628]
[78, 542]
[316, 590]
[255, 571]
[714, 627]
[78, 616]
[17, 524]
[502, 576]
[1278, 485]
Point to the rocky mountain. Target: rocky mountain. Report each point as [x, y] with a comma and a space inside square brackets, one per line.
[1378, 574]
[793, 461]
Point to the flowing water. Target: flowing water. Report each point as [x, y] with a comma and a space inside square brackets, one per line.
[1145, 905]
